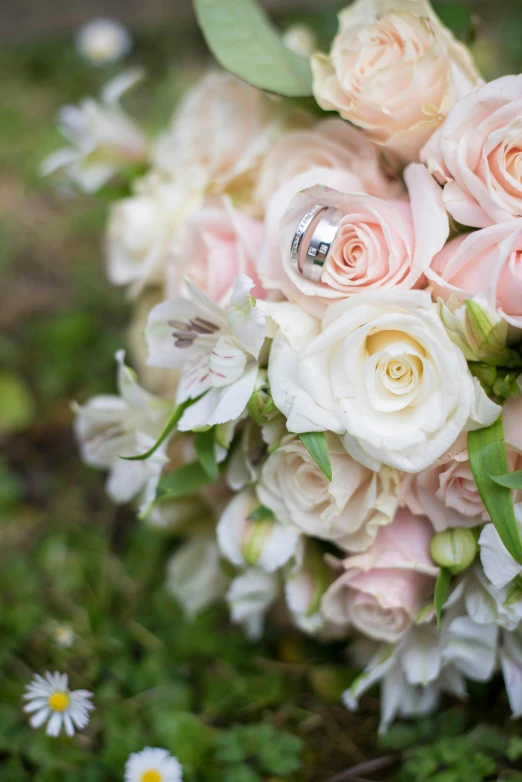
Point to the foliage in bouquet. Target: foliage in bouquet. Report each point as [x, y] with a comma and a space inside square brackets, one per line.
[327, 406]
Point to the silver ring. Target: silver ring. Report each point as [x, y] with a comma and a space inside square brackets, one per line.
[320, 243]
[300, 231]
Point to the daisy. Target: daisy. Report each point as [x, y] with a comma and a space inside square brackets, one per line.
[152, 765]
[49, 699]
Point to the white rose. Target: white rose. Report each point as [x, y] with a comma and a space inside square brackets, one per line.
[218, 134]
[194, 575]
[384, 375]
[141, 229]
[348, 510]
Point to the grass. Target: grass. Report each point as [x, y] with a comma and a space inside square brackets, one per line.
[71, 562]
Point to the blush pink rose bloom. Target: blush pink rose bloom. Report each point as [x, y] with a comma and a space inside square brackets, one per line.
[394, 70]
[381, 243]
[382, 591]
[331, 143]
[213, 246]
[446, 492]
[488, 262]
[477, 155]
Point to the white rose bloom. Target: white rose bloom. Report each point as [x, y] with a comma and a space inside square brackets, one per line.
[263, 543]
[384, 375]
[499, 566]
[103, 137]
[110, 426]
[215, 349]
[218, 135]
[348, 510]
[194, 574]
[141, 230]
[250, 596]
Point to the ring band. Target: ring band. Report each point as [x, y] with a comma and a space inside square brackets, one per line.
[320, 243]
[300, 231]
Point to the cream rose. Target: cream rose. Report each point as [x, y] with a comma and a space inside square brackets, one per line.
[218, 134]
[141, 229]
[382, 591]
[349, 510]
[331, 143]
[381, 243]
[214, 245]
[393, 70]
[477, 154]
[446, 492]
[384, 375]
[487, 262]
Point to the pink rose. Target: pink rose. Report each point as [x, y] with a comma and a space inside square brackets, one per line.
[382, 591]
[213, 246]
[446, 492]
[332, 143]
[487, 262]
[381, 243]
[393, 70]
[477, 154]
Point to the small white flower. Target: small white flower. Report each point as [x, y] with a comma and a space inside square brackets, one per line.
[152, 765]
[102, 137]
[194, 574]
[102, 41]
[215, 349]
[50, 700]
[250, 596]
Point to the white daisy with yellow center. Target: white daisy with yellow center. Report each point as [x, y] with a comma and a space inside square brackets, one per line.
[50, 700]
[152, 765]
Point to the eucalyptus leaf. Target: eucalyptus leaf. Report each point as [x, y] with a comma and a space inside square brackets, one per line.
[442, 587]
[316, 445]
[204, 445]
[243, 40]
[487, 456]
[511, 480]
[171, 424]
[185, 480]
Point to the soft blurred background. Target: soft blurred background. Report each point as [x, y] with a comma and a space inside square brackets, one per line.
[81, 581]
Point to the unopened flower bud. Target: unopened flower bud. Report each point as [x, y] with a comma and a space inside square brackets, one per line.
[454, 549]
[300, 39]
[261, 407]
[477, 329]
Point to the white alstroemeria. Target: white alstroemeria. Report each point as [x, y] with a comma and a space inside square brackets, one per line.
[194, 574]
[215, 349]
[499, 566]
[487, 604]
[103, 138]
[423, 665]
[110, 426]
[152, 764]
[141, 229]
[510, 656]
[250, 596]
[50, 700]
[263, 542]
[103, 41]
[304, 587]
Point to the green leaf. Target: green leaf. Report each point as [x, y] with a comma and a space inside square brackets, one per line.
[185, 480]
[511, 480]
[315, 444]
[487, 456]
[442, 587]
[243, 40]
[171, 424]
[204, 445]
[260, 513]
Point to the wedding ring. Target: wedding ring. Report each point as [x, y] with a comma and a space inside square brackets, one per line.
[300, 231]
[320, 243]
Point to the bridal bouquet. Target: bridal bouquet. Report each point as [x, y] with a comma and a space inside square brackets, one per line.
[325, 254]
